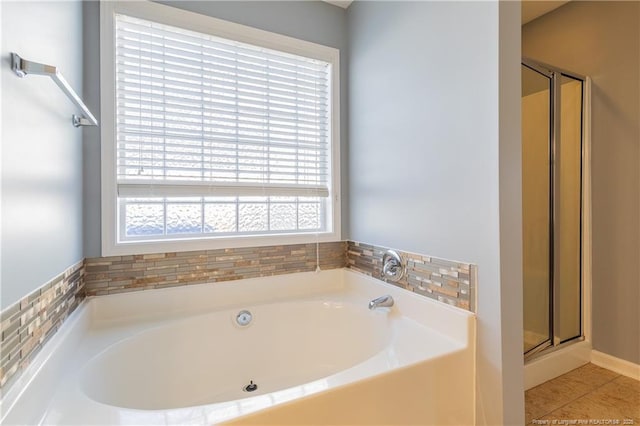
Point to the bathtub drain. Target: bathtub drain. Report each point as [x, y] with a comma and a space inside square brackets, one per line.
[250, 387]
[244, 318]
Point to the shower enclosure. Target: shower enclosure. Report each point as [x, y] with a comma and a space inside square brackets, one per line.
[552, 169]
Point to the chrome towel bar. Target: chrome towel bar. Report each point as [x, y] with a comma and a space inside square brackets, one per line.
[23, 67]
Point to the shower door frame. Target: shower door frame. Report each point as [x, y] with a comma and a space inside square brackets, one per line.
[555, 74]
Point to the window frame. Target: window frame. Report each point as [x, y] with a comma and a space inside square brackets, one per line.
[205, 24]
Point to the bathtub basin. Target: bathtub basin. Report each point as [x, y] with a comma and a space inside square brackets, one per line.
[314, 350]
[209, 358]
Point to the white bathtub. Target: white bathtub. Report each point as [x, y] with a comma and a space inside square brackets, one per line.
[315, 351]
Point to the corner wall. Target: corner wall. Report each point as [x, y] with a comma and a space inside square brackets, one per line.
[434, 159]
[601, 39]
[41, 172]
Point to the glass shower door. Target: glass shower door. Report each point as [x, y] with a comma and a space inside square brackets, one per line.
[552, 123]
[568, 191]
[537, 207]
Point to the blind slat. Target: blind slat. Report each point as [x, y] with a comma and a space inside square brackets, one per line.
[134, 149]
[176, 105]
[222, 126]
[189, 172]
[242, 139]
[196, 92]
[219, 144]
[177, 160]
[180, 189]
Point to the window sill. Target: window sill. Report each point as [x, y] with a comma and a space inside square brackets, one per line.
[170, 246]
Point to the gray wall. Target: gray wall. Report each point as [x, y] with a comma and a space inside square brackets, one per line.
[602, 40]
[41, 151]
[313, 21]
[433, 170]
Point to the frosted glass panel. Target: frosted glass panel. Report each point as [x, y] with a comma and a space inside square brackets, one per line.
[144, 219]
[309, 215]
[283, 216]
[220, 217]
[253, 217]
[184, 218]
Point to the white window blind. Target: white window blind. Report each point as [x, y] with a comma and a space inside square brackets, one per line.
[202, 116]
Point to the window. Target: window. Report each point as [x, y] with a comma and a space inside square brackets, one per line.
[214, 134]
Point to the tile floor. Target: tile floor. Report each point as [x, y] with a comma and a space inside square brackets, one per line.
[585, 396]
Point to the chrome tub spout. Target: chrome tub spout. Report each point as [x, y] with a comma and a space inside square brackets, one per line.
[381, 302]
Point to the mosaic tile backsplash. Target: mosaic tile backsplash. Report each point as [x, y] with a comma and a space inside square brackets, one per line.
[28, 324]
[444, 280]
[119, 274]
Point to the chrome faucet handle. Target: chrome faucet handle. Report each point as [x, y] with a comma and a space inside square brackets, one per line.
[392, 267]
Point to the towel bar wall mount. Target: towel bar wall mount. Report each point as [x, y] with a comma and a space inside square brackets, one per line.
[23, 67]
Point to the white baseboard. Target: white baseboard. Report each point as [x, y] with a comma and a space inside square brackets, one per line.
[556, 363]
[620, 366]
